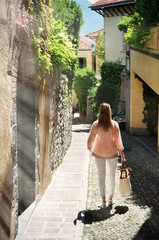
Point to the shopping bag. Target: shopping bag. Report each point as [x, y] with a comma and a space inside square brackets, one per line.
[124, 181]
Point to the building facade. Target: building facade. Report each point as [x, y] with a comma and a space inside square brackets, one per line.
[144, 68]
[141, 66]
[114, 47]
[86, 57]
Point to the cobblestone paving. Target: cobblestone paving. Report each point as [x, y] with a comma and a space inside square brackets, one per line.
[140, 221]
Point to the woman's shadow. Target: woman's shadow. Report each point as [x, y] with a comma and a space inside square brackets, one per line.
[90, 216]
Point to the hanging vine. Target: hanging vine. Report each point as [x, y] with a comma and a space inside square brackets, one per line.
[53, 44]
[51, 41]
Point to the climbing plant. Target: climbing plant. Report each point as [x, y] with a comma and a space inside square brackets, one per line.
[53, 44]
[135, 26]
[99, 51]
[135, 33]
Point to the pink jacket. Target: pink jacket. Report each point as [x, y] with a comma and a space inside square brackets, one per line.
[105, 144]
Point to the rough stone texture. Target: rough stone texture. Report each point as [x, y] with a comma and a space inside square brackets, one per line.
[15, 165]
[37, 151]
[6, 167]
[60, 119]
[131, 217]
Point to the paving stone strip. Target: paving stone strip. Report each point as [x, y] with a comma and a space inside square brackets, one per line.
[132, 217]
[54, 215]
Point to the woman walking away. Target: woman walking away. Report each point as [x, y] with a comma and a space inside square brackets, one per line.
[105, 143]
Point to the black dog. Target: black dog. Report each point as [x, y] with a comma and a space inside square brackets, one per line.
[90, 216]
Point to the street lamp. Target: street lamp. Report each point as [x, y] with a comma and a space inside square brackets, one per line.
[93, 47]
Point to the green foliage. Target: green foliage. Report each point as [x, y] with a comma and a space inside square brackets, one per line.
[128, 21]
[53, 46]
[84, 79]
[111, 73]
[108, 89]
[148, 10]
[135, 34]
[60, 47]
[99, 52]
[52, 42]
[70, 13]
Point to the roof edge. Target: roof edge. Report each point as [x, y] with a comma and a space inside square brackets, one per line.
[102, 6]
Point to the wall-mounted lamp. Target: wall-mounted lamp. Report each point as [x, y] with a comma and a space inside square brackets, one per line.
[93, 47]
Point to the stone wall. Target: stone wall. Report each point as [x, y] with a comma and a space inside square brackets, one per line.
[43, 119]
[7, 118]
[60, 119]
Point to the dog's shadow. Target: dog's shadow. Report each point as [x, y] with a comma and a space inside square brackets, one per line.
[90, 216]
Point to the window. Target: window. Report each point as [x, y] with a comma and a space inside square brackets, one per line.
[82, 62]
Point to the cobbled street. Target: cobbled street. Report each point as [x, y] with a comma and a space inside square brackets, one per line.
[132, 217]
[70, 210]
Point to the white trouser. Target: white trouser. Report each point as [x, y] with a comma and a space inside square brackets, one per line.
[101, 167]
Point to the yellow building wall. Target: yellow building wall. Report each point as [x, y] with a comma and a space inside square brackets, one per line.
[89, 64]
[137, 104]
[113, 40]
[89, 56]
[74, 99]
[147, 67]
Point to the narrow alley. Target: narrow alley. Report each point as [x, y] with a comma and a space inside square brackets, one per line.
[131, 217]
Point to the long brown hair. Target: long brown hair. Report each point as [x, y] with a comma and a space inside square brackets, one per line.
[104, 116]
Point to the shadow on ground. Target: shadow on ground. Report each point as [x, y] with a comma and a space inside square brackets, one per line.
[90, 216]
[145, 182]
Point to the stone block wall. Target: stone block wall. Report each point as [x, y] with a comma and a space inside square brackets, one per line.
[60, 119]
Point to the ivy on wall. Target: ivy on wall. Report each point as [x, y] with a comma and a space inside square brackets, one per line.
[99, 51]
[53, 40]
[135, 33]
[135, 26]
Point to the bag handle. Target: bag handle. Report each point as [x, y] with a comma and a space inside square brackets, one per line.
[124, 172]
